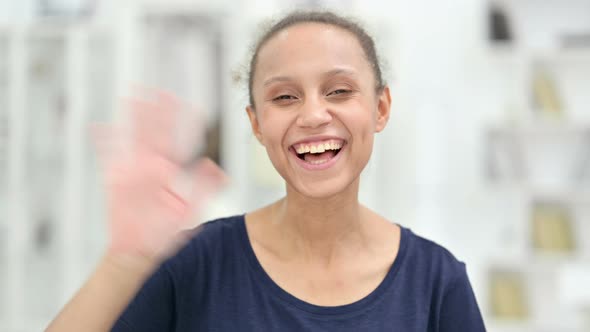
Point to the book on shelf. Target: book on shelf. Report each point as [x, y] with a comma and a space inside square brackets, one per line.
[545, 94]
[551, 229]
[508, 295]
[500, 29]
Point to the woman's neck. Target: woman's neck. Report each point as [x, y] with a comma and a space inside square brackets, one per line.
[321, 230]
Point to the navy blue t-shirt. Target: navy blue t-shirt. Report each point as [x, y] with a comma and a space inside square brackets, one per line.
[215, 283]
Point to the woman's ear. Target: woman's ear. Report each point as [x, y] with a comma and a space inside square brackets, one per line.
[254, 123]
[383, 109]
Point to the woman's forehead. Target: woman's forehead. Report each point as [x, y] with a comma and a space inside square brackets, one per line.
[310, 28]
[310, 33]
[310, 46]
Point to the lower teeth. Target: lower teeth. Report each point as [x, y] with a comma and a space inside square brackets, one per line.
[317, 162]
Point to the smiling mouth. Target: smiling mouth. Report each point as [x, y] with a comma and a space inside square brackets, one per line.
[318, 153]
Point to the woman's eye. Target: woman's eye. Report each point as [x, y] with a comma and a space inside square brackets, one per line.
[338, 92]
[284, 97]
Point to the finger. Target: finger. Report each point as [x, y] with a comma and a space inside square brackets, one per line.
[153, 126]
[191, 136]
[188, 127]
[173, 201]
[143, 126]
[208, 180]
[169, 108]
[209, 172]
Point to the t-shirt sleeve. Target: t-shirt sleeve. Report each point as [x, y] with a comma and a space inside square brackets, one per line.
[460, 311]
[152, 309]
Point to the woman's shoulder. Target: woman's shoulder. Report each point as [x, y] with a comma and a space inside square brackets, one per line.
[426, 255]
[218, 226]
[208, 244]
[216, 232]
[442, 280]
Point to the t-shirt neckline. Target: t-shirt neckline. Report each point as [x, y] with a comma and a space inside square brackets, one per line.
[346, 309]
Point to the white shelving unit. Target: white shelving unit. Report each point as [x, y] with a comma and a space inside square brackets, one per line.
[545, 156]
[45, 171]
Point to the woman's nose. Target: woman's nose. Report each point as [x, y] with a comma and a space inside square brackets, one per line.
[314, 114]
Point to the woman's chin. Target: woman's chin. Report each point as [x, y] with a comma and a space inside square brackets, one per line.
[324, 189]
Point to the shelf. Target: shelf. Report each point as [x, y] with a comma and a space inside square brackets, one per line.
[542, 127]
[565, 56]
[573, 196]
[551, 158]
[543, 284]
[508, 52]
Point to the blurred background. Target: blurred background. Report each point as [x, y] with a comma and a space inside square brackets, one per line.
[487, 151]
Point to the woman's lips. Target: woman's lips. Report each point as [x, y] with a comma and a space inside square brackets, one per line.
[323, 161]
[318, 145]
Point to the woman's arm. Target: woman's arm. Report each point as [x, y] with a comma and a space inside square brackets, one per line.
[148, 209]
[102, 299]
[460, 311]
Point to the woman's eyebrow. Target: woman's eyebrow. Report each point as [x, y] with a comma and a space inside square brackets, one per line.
[329, 73]
[339, 71]
[277, 79]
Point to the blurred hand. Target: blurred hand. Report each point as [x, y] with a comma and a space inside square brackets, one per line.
[151, 197]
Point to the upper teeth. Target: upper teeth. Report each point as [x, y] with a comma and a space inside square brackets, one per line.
[318, 147]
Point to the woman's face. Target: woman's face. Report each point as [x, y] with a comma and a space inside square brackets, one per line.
[317, 108]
